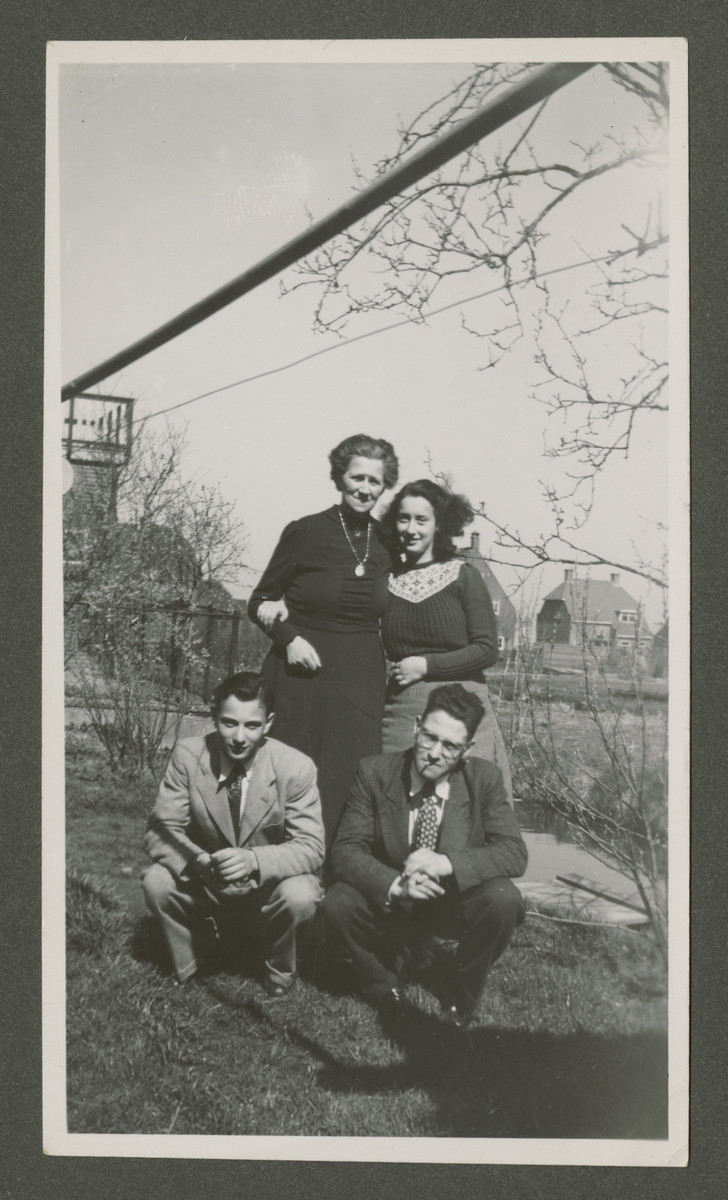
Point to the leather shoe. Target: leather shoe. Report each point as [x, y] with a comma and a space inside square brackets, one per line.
[274, 991]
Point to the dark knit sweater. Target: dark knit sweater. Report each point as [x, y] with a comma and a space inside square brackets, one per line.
[454, 629]
[313, 567]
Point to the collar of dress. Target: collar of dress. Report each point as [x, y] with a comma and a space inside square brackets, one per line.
[420, 584]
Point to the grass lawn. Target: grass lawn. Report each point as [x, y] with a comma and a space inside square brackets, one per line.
[570, 1039]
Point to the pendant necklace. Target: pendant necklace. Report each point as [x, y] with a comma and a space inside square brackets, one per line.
[360, 567]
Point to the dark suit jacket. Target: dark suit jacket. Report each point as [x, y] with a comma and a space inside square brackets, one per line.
[478, 832]
[281, 819]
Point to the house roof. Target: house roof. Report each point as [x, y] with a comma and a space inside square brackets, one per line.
[497, 591]
[662, 636]
[597, 600]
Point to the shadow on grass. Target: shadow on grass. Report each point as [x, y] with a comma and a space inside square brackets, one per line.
[510, 1083]
[481, 1082]
[147, 945]
[239, 951]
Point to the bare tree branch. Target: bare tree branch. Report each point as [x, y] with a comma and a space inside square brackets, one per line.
[492, 211]
[525, 554]
[160, 538]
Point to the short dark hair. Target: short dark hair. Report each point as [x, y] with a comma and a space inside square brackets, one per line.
[452, 513]
[244, 685]
[360, 445]
[457, 702]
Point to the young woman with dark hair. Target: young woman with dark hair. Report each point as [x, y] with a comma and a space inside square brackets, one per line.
[438, 626]
[326, 664]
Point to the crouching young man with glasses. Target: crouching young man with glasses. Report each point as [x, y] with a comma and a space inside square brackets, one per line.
[422, 861]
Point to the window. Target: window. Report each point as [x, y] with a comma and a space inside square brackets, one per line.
[501, 643]
[630, 616]
[496, 607]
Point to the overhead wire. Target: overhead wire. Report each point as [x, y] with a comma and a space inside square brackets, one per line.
[435, 312]
[497, 111]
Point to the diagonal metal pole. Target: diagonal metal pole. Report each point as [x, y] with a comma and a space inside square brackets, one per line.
[538, 85]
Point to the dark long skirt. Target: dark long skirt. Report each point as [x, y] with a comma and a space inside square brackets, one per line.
[335, 715]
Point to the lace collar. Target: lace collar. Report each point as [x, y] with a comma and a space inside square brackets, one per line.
[421, 583]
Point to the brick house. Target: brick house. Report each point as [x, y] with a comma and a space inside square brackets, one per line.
[597, 610]
[505, 612]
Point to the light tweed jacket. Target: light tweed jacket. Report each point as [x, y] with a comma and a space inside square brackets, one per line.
[281, 819]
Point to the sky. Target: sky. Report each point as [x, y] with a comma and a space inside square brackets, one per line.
[174, 177]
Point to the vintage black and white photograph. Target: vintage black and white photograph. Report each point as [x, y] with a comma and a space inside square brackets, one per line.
[366, 577]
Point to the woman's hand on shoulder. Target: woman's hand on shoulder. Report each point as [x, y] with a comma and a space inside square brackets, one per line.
[301, 653]
[410, 670]
[270, 611]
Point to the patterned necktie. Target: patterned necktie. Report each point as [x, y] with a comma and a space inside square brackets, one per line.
[427, 825]
[235, 791]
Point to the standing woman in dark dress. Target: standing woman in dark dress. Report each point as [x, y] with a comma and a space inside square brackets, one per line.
[326, 664]
[438, 626]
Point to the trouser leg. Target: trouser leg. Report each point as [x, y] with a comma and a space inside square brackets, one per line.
[182, 911]
[488, 915]
[284, 907]
[501, 760]
[361, 931]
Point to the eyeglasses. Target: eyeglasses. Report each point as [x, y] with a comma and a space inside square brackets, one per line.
[449, 750]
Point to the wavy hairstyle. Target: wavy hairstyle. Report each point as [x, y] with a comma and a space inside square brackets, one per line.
[245, 686]
[360, 445]
[452, 513]
[457, 702]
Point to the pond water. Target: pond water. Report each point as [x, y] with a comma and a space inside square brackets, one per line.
[552, 852]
